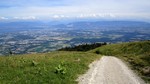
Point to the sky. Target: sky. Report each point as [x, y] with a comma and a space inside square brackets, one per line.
[63, 9]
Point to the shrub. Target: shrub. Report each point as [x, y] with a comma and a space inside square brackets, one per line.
[34, 63]
[60, 69]
[97, 52]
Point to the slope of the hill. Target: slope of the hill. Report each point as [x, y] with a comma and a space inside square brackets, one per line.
[136, 54]
[52, 68]
[64, 67]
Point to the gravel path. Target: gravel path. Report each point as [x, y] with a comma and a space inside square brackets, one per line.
[109, 70]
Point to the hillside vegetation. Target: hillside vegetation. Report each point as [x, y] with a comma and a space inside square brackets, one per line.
[52, 68]
[64, 67]
[136, 54]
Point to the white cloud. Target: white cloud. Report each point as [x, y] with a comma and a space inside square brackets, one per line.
[29, 18]
[62, 16]
[56, 16]
[16, 17]
[26, 18]
[97, 15]
[86, 15]
[3, 18]
[59, 16]
[107, 15]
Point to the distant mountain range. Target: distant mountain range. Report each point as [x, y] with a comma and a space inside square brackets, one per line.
[109, 25]
[80, 23]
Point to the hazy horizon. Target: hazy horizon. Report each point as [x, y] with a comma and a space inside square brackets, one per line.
[75, 9]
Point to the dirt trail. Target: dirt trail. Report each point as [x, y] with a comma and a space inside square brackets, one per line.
[109, 70]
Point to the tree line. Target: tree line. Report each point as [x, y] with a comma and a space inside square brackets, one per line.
[83, 47]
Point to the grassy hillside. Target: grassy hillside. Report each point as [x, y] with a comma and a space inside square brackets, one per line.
[52, 68]
[137, 54]
[64, 67]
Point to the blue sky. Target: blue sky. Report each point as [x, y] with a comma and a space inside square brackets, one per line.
[59, 9]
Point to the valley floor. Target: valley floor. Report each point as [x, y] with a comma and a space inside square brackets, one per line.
[109, 70]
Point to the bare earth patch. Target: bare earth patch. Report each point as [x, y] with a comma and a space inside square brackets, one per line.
[109, 70]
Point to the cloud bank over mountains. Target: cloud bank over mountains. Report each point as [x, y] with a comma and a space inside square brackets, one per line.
[60, 9]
